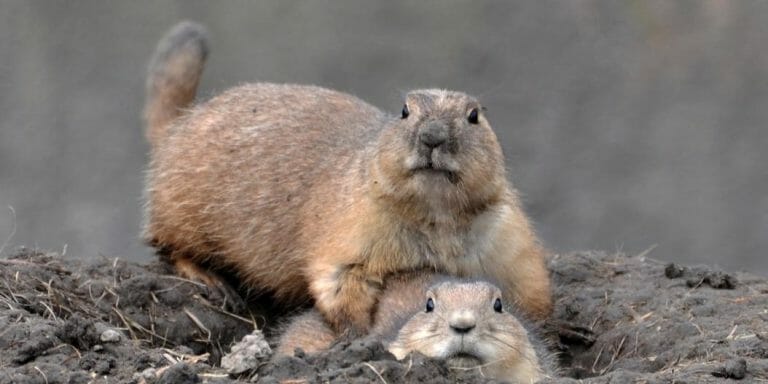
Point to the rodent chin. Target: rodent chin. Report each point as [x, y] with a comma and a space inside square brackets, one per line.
[463, 360]
[452, 177]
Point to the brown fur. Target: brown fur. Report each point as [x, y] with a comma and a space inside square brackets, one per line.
[500, 345]
[308, 331]
[305, 192]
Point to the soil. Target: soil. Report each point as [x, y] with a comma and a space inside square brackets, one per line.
[618, 319]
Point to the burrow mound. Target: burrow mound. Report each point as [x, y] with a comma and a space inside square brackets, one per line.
[617, 319]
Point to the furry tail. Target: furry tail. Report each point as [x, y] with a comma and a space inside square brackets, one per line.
[174, 74]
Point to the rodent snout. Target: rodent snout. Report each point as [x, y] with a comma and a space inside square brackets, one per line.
[433, 135]
[462, 321]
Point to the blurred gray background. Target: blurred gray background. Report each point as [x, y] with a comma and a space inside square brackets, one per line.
[625, 124]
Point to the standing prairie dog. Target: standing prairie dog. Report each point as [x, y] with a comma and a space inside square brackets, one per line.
[463, 322]
[308, 193]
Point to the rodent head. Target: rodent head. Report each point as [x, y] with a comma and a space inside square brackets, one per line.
[466, 323]
[441, 146]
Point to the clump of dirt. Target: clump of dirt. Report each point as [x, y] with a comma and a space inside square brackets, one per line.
[617, 319]
[63, 322]
[630, 319]
[364, 361]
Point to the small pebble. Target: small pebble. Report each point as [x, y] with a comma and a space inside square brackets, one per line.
[148, 375]
[184, 350]
[110, 336]
[246, 354]
[673, 271]
[733, 369]
[179, 373]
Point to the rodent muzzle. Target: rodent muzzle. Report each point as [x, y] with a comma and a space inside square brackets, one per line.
[434, 150]
[462, 322]
[433, 135]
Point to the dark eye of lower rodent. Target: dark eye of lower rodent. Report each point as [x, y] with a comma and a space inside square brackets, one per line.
[406, 112]
[430, 305]
[497, 305]
[473, 115]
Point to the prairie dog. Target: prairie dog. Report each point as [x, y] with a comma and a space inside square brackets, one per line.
[307, 193]
[466, 323]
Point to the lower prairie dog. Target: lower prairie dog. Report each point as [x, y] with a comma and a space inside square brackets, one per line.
[465, 322]
[307, 193]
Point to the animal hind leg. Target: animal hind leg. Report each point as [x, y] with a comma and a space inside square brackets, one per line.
[214, 283]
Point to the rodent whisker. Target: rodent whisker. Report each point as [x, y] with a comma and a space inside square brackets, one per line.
[441, 317]
[425, 337]
[515, 348]
[483, 365]
[413, 343]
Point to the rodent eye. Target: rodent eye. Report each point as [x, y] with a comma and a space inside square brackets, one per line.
[430, 305]
[497, 305]
[473, 116]
[406, 112]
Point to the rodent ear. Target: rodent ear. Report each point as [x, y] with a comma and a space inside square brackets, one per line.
[430, 305]
[405, 112]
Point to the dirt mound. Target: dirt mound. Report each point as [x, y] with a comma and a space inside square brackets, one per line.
[64, 322]
[630, 319]
[617, 319]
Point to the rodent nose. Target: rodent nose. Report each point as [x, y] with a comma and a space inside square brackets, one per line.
[462, 322]
[462, 329]
[433, 135]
